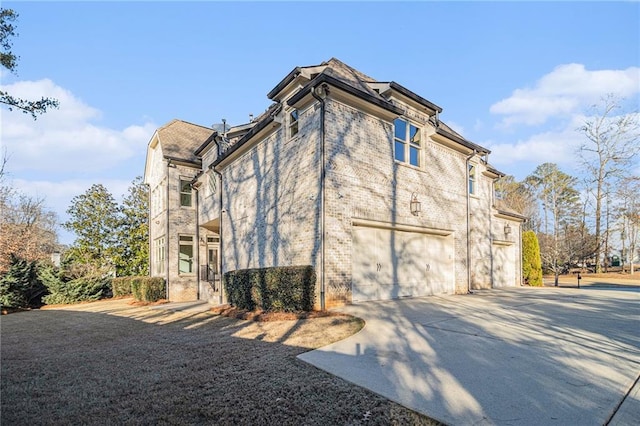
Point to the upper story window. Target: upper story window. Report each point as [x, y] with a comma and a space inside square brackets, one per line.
[407, 142]
[472, 179]
[185, 193]
[293, 123]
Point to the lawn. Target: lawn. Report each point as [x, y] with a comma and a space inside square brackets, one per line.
[110, 362]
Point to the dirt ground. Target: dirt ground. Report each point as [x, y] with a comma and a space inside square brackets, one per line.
[110, 362]
[602, 279]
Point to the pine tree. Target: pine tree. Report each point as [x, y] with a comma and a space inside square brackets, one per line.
[20, 286]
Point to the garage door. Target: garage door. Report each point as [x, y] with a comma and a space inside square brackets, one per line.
[389, 264]
[504, 266]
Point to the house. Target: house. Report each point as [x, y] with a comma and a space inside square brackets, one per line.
[358, 178]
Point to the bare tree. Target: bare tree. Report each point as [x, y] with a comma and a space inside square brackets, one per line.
[610, 148]
[561, 205]
[628, 195]
[27, 227]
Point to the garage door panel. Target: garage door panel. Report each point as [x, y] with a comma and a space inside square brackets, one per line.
[389, 264]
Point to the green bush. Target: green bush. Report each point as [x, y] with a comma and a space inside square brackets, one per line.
[145, 289]
[121, 286]
[531, 262]
[279, 289]
[65, 289]
[20, 286]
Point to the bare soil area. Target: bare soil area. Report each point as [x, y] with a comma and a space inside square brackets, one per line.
[111, 362]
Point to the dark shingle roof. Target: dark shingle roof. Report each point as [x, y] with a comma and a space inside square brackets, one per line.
[180, 139]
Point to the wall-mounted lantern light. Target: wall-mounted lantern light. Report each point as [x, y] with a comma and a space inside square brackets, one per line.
[415, 205]
[507, 229]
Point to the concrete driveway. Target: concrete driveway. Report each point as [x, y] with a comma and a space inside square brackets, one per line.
[521, 356]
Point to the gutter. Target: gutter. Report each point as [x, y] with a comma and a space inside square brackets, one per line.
[222, 211]
[324, 91]
[167, 239]
[473, 154]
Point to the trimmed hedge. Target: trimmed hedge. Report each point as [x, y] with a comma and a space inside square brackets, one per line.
[121, 286]
[146, 289]
[276, 289]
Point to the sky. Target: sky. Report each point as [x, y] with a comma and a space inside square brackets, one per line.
[515, 77]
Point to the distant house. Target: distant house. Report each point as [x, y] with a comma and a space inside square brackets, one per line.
[357, 177]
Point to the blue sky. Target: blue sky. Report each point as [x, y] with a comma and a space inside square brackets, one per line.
[514, 77]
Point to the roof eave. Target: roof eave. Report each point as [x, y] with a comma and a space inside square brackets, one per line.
[415, 97]
[462, 141]
[284, 82]
[250, 134]
[323, 78]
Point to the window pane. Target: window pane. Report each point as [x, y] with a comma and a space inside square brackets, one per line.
[471, 187]
[400, 129]
[185, 200]
[186, 259]
[294, 129]
[414, 156]
[294, 115]
[399, 151]
[185, 186]
[414, 135]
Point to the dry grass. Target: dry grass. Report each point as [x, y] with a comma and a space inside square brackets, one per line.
[115, 363]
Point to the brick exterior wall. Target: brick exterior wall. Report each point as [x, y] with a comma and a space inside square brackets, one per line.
[271, 210]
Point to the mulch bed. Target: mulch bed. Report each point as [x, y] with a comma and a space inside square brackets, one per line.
[264, 316]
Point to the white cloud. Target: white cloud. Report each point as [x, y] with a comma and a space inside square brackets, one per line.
[550, 146]
[66, 139]
[565, 91]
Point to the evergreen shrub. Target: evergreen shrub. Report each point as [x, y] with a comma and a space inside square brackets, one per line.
[276, 289]
[531, 261]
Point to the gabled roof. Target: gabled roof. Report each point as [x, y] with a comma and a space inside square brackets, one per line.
[180, 139]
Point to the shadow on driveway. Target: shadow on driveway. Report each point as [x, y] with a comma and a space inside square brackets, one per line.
[520, 356]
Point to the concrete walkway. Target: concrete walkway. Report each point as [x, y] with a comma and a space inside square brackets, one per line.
[522, 356]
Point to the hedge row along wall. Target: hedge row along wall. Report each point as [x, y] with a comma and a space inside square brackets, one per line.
[278, 289]
[146, 289]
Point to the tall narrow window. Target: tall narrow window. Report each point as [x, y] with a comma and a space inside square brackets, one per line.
[472, 179]
[407, 142]
[185, 257]
[293, 123]
[185, 193]
[159, 255]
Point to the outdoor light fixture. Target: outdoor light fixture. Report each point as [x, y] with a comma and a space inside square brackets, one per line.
[507, 229]
[415, 205]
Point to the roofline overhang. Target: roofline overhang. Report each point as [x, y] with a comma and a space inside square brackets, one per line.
[339, 84]
[414, 97]
[255, 130]
[510, 215]
[205, 144]
[472, 146]
[183, 161]
[284, 82]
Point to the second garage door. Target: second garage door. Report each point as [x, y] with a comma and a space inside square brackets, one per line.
[388, 264]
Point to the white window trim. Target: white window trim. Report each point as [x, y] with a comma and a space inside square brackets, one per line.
[193, 253]
[472, 180]
[291, 123]
[187, 180]
[159, 254]
[407, 144]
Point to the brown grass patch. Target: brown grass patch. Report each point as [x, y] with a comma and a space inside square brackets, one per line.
[123, 364]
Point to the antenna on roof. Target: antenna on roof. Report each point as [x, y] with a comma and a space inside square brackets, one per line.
[220, 127]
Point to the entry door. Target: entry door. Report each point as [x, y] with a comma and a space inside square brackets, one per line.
[210, 278]
[504, 266]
